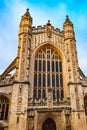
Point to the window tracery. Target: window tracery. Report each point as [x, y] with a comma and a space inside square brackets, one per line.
[4, 107]
[85, 104]
[48, 73]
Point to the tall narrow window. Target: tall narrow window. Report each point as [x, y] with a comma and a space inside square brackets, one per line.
[48, 66]
[35, 80]
[35, 92]
[44, 94]
[40, 65]
[35, 65]
[85, 104]
[39, 93]
[56, 66]
[48, 73]
[44, 80]
[61, 80]
[44, 66]
[53, 94]
[4, 107]
[53, 80]
[60, 63]
[39, 80]
[52, 66]
[48, 80]
[57, 80]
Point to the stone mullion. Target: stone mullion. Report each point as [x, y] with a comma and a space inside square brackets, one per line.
[37, 85]
[4, 111]
[50, 69]
[42, 77]
[59, 87]
[55, 76]
[37, 75]
[41, 84]
[58, 74]
[55, 83]
[46, 73]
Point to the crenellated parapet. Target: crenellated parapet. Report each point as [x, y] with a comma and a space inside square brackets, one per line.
[43, 29]
[47, 34]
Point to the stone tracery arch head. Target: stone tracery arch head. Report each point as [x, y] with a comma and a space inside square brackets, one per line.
[55, 47]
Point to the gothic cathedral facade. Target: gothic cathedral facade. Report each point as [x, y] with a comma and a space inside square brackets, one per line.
[48, 90]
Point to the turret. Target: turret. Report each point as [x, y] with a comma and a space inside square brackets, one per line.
[74, 86]
[26, 23]
[24, 44]
[70, 50]
[68, 29]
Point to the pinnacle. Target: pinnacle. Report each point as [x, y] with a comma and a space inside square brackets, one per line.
[67, 16]
[27, 10]
[48, 22]
[67, 21]
[27, 14]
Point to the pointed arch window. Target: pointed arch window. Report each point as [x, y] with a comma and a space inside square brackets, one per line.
[48, 73]
[85, 104]
[4, 107]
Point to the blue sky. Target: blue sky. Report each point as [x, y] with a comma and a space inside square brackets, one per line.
[41, 11]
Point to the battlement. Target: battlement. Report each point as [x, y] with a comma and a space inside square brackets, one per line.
[43, 29]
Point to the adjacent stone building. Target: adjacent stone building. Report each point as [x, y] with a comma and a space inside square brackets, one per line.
[48, 90]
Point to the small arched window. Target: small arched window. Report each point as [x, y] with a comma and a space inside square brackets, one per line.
[4, 107]
[85, 104]
[48, 74]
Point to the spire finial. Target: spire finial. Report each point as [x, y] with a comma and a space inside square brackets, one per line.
[27, 10]
[48, 21]
[67, 16]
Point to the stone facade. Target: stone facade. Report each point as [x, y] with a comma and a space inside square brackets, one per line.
[48, 90]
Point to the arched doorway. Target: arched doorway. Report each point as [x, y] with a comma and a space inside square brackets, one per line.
[49, 124]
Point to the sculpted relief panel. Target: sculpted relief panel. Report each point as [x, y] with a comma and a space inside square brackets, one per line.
[41, 38]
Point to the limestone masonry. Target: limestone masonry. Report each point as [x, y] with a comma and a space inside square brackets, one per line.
[48, 90]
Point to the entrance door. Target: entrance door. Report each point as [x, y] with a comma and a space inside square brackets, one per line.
[49, 124]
